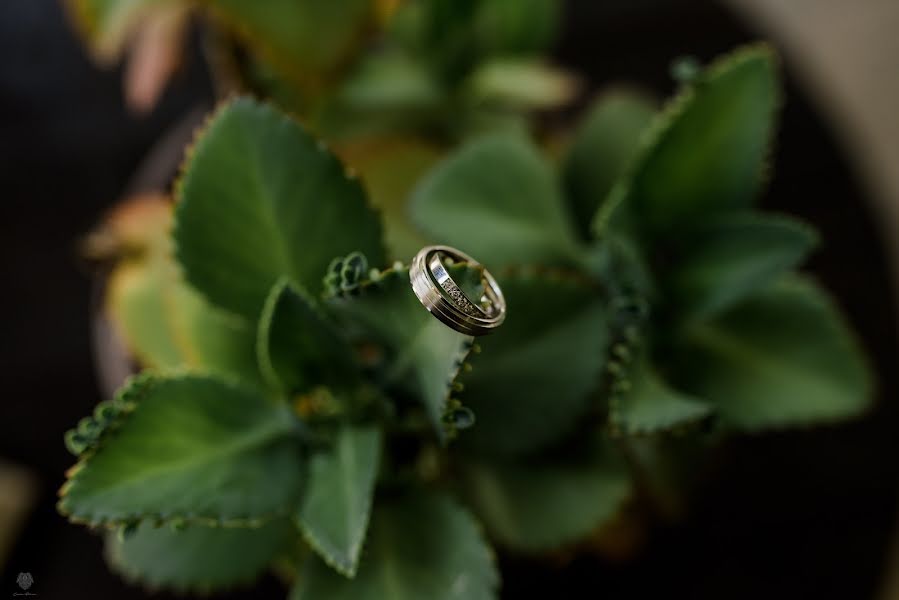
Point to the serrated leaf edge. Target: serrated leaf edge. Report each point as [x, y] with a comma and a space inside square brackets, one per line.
[323, 549]
[666, 119]
[190, 150]
[136, 388]
[152, 585]
[551, 275]
[377, 277]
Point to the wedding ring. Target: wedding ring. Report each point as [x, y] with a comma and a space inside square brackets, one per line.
[442, 296]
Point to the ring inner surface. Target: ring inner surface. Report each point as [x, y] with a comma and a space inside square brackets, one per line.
[455, 293]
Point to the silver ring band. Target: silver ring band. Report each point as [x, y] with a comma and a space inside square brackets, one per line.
[444, 280]
[444, 299]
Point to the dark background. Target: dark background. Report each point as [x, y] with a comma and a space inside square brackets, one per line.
[794, 515]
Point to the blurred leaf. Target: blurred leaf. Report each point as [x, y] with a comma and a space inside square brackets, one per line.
[225, 344]
[191, 448]
[336, 507]
[253, 72]
[390, 81]
[306, 39]
[651, 405]
[519, 84]
[298, 348]
[106, 25]
[621, 265]
[197, 558]
[782, 357]
[532, 381]
[162, 321]
[135, 236]
[706, 152]
[604, 144]
[421, 545]
[421, 356]
[389, 168]
[474, 122]
[157, 49]
[731, 257]
[386, 93]
[497, 200]
[455, 35]
[538, 505]
[261, 199]
[441, 33]
[517, 27]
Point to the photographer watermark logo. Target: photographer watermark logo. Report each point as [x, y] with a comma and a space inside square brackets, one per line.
[25, 581]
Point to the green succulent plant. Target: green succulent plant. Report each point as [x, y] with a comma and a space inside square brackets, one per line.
[304, 412]
[350, 68]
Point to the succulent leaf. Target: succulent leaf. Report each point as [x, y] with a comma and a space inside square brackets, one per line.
[197, 558]
[533, 378]
[605, 143]
[730, 257]
[783, 357]
[162, 321]
[537, 505]
[421, 355]
[497, 199]
[517, 27]
[421, 545]
[188, 447]
[389, 169]
[648, 404]
[334, 513]
[305, 39]
[286, 208]
[520, 84]
[706, 151]
[298, 347]
[106, 25]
